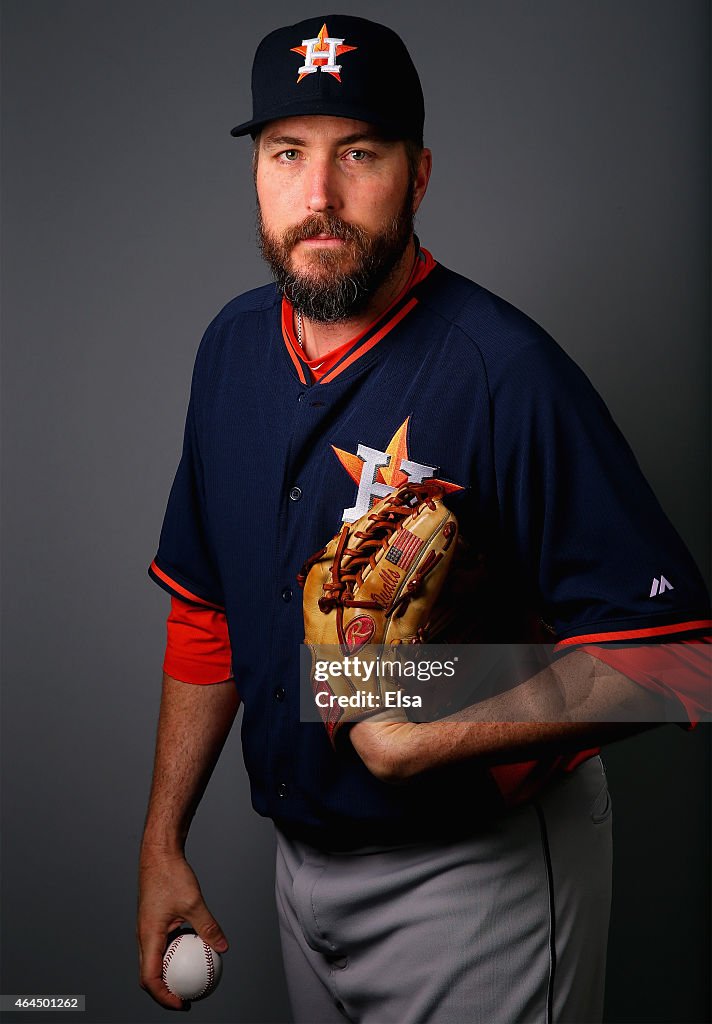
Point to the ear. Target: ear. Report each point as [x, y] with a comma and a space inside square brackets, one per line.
[422, 178]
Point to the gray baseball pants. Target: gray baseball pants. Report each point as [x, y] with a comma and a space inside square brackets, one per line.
[506, 926]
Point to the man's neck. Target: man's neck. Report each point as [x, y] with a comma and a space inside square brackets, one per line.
[320, 339]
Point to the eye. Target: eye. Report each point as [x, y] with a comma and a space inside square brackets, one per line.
[358, 155]
[290, 155]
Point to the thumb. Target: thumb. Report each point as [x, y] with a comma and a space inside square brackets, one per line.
[208, 929]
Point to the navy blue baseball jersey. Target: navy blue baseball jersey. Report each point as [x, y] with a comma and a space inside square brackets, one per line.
[451, 383]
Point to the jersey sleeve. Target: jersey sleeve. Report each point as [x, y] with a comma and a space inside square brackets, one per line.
[185, 565]
[585, 530]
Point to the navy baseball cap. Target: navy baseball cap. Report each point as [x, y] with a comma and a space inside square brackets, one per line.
[341, 66]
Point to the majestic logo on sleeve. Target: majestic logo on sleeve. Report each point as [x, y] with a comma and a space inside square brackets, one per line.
[660, 586]
[320, 55]
[378, 473]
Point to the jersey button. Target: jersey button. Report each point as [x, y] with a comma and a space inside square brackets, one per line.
[295, 493]
[282, 789]
[279, 694]
[287, 594]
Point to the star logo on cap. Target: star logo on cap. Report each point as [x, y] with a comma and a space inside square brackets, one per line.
[320, 55]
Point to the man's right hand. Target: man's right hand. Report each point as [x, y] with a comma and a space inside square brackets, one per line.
[169, 896]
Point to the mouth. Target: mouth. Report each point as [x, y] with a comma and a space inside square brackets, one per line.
[323, 240]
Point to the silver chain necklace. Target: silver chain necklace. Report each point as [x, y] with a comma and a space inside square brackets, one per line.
[300, 331]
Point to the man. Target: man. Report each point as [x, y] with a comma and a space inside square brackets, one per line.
[454, 871]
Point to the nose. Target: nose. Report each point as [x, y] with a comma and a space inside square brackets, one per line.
[322, 192]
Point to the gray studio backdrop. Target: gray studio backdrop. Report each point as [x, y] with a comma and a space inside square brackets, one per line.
[571, 168]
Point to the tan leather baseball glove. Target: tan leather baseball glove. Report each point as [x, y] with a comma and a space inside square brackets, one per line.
[374, 587]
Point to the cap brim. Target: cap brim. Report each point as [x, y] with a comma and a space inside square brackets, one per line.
[246, 128]
[330, 109]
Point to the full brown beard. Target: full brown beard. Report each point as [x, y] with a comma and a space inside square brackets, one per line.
[326, 292]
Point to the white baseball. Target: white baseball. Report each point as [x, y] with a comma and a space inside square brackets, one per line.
[191, 969]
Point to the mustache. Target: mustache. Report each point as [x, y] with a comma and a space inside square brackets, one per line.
[323, 224]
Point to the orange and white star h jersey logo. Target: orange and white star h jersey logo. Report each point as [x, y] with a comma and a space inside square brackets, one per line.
[378, 473]
[320, 54]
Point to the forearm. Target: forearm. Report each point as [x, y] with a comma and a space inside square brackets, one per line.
[193, 724]
[573, 704]
[419, 748]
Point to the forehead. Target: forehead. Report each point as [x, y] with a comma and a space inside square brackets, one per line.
[318, 128]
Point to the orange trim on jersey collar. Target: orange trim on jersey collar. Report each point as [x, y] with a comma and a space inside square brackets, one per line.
[633, 634]
[331, 364]
[363, 349]
[318, 367]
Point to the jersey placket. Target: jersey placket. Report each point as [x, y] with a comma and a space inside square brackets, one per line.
[300, 503]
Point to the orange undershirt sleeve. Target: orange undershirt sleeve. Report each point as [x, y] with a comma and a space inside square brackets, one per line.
[198, 645]
[682, 670]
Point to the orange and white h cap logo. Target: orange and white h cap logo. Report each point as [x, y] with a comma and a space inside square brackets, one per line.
[320, 54]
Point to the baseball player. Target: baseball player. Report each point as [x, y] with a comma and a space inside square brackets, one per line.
[477, 889]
